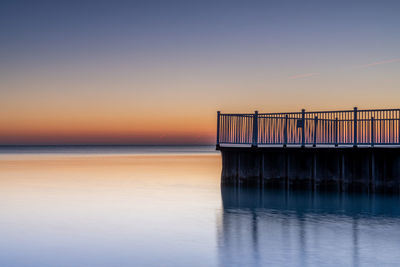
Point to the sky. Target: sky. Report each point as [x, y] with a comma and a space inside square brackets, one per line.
[156, 72]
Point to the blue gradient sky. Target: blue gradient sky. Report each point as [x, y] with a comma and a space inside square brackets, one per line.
[157, 71]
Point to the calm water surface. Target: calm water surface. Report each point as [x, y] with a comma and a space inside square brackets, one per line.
[140, 206]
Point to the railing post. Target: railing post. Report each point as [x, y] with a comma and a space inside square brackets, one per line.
[355, 127]
[398, 133]
[303, 118]
[315, 131]
[218, 120]
[372, 132]
[285, 132]
[336, 132]
[255, 129]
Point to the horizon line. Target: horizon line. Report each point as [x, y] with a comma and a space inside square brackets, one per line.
[50, 145]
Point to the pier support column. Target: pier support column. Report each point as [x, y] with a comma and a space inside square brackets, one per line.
[314, 172]
[372, 173]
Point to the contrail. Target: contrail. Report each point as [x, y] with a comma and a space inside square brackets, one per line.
[381, 62]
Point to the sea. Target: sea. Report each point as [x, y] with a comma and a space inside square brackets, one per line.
[165, 206]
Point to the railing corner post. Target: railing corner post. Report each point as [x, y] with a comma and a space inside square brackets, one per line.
[218, 123]
[255, 129]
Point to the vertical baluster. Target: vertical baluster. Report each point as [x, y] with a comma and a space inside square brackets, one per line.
[241, 128]
[332, 128]
[226, 135]
[336, 132]
[372, 132]
[273, 129]
[242, 118]
[361, 139]
[348, 128]
[365, 127]
[260, 130]
[233, 128]
[338, 119]
[248, 130]
[380, 127]
[355, 127]
[328, 122]
[230, 129]
[244, 130]
[332, 125]
[326, 130]
[226, 131]
[238, 129]
[228, 126]
[329, 139]
[285, 131]
[315, 131]
[343, 138]
[383, 126]
[231, 118]
[350, 124]
[386, 127]
[255, 129]
[238, 119]
[303, 113]
[390, 126]
[269, 130]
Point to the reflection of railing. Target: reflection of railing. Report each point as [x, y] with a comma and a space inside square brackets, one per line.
[347, 127]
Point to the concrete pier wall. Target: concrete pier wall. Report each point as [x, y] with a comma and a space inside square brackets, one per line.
[372, 169]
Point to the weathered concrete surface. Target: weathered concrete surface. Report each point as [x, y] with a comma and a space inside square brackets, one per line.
[343, 169]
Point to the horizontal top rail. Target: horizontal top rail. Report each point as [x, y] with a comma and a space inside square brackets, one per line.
[307, 112]
[341, 127]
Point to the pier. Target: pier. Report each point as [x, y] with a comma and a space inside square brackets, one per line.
[349, 150]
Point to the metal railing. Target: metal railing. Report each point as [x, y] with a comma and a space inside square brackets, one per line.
[346, 127]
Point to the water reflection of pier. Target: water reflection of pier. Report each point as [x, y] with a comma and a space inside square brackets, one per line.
[303, 228]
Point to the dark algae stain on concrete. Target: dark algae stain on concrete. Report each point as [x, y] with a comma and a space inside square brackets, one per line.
[364, 169]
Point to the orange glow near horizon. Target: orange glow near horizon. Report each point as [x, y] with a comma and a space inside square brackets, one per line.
[158, 122]
[98, 131]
